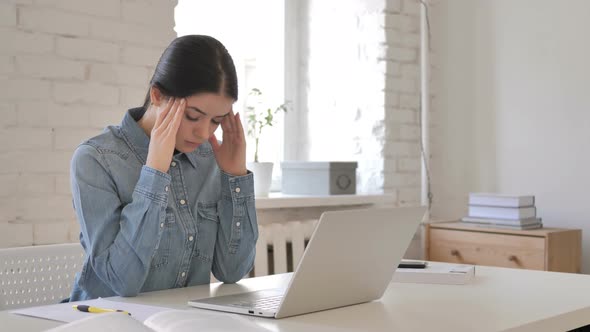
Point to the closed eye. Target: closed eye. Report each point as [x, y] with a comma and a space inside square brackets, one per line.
[198, 118]
[190, 118]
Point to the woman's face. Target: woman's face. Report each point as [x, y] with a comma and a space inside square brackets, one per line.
[202, 116]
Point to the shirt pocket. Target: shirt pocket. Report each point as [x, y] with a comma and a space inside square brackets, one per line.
[162, 253]
[207, 223]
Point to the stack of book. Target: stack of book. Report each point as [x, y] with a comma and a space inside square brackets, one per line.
[503, 211]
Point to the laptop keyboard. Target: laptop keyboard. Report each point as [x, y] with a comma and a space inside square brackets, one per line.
[265, 303]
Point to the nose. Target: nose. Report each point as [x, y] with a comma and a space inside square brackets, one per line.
[201, 130]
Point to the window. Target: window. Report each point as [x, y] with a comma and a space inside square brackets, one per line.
[253, 33]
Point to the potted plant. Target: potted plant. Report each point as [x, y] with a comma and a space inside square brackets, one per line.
[259, 116]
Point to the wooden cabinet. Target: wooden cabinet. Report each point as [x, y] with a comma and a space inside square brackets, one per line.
[550, 249]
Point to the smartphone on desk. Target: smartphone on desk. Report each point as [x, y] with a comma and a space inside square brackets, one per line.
[412, 264]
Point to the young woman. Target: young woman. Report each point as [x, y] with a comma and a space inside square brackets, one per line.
[161, 203]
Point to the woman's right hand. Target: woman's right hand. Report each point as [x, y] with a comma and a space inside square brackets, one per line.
[163, 134]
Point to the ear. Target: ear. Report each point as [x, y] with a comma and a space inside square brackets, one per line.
[156, 96]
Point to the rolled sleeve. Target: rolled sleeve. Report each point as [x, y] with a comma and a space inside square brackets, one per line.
[238, 229]
[237, 187]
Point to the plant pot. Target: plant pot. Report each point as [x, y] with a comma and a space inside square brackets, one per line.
[262, 177]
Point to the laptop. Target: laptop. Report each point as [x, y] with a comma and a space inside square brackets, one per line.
[350, 259]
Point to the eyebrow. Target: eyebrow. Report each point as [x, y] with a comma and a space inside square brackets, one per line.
[198, 110]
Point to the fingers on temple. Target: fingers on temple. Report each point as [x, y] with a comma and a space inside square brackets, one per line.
[171, 113]
[162, 114]
[176, 117]
[226, 123]
[239, 126]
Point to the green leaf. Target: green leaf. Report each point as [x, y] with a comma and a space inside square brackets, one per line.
[260, 116]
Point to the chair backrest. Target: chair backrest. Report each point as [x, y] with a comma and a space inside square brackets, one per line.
[38, 275]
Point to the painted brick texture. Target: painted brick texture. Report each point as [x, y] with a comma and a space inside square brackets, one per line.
[67, 69]
[401, 147]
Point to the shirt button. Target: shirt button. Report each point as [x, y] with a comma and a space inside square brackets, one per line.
[238, 224]
[182, 202]
[191, 238]
[183, 274]
[238, 189]
[173, 164]
[166, 188]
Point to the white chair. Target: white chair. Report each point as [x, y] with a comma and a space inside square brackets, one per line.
[38, 275]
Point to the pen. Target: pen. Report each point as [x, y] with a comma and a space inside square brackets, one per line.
[87, 308]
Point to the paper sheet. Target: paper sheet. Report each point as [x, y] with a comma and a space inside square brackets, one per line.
[64, 312]
[103, 322]
[205, 320]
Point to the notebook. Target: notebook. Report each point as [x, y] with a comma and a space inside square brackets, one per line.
[350, 259]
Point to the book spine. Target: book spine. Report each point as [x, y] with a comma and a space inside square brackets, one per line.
[501, 212]
[502, 201]
[520, 228]
[510, 222]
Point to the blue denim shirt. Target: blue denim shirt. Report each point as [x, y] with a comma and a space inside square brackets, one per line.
[144, 230]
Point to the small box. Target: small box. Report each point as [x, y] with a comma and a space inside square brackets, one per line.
[318, 177]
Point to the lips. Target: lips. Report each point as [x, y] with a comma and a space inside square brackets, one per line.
[193, 143]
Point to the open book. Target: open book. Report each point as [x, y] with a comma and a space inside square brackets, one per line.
[163, 321]
[144, 318]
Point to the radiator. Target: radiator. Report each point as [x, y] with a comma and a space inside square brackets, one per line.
[280, 246]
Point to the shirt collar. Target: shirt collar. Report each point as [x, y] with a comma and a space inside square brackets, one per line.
[139, 141]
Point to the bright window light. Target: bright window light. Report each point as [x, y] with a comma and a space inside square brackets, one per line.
[253, 32]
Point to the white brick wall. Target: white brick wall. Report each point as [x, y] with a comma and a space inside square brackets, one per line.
[43, 113]
[24, 42]
[86, 93]
[102, 8]
[6, 64]
[52, 21]
[8, 112]
[13, 89]
[119, 74]
[35, 184]
[67, 69]
[143, 56]
[402, 84]
[85, 49]
[7, 15]
[42, 66]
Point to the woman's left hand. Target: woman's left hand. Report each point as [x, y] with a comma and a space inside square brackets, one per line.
[231, 154]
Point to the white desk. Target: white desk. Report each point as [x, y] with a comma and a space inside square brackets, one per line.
[499, 299]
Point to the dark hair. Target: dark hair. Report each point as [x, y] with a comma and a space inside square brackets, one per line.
[192, 64]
